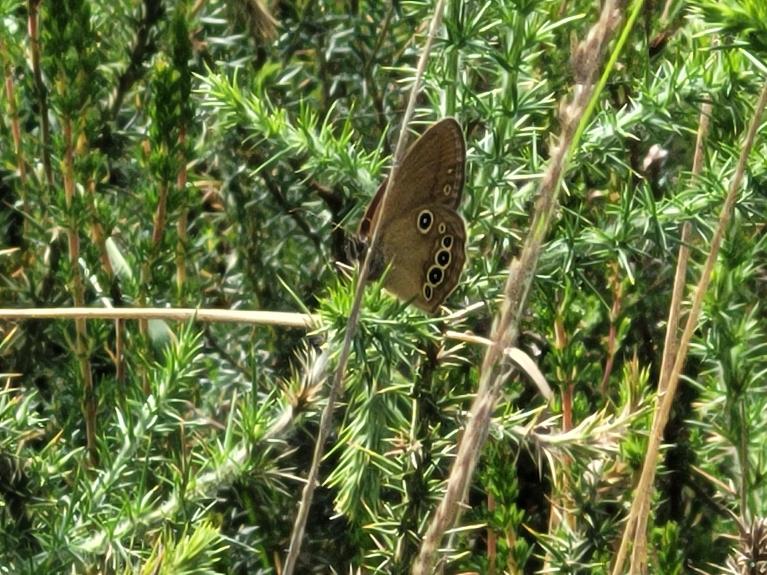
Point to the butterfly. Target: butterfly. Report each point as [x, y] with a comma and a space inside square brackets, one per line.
[422, 237]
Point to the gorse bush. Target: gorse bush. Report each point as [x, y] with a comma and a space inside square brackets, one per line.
[220, 155]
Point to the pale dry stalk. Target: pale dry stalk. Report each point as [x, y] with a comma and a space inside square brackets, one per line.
[640, 504]
[277, 318]
[671, 342]
[586, 64]
[326, 419]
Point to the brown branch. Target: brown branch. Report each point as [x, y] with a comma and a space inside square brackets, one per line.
[97, 231]
[99, 239]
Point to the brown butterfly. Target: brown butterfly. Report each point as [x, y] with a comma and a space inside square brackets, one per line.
[422, 237]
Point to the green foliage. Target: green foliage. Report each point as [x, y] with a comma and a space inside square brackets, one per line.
[746, 19]
[221, 158]
[191, 554]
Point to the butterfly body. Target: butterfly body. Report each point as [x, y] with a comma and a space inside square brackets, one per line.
[422, 236]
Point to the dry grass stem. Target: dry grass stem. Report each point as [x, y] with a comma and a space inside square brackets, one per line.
[586, 64]
[666, 397]
[671, 343]
[326, 420]
[285, 319]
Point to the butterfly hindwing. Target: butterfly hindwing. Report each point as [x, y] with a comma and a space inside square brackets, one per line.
[426, 269]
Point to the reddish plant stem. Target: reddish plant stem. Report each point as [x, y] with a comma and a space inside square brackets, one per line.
[159, 216]
[78, 294]
[181, 224]
[10, 92]
[612, 336]
[13, 114]
[42, 98]
[492, 542]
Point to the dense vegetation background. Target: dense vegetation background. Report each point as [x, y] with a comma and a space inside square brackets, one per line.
[208, 154]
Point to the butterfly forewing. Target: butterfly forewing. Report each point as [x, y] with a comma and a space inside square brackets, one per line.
[432, 171]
